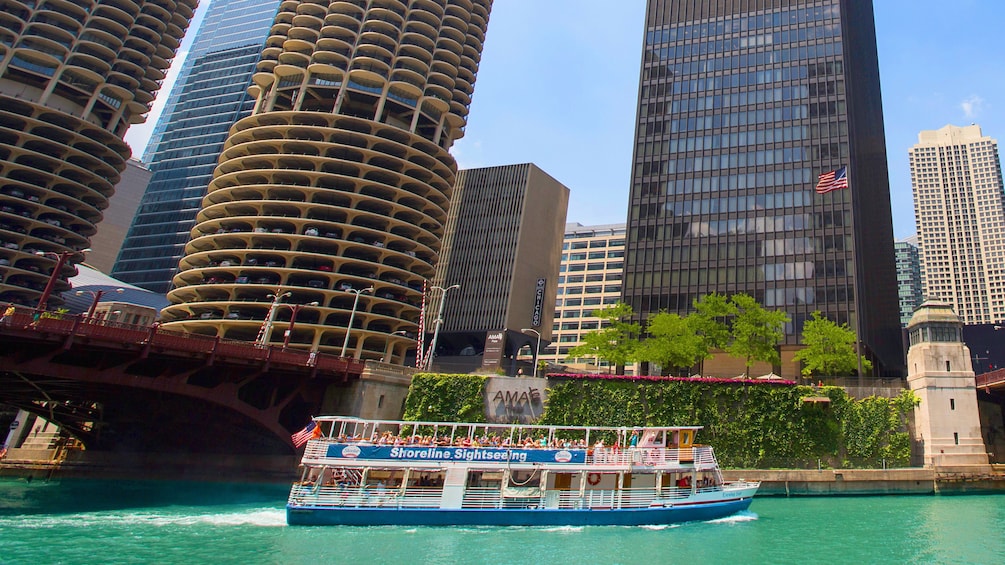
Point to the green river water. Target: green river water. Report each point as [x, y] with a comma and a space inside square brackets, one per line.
[86, 522]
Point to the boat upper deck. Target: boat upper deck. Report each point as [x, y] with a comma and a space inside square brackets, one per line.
[396, 442]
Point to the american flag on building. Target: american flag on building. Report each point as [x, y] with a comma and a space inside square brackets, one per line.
[832, 180]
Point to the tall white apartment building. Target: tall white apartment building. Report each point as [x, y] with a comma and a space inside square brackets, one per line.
[589, 279]
[959, 209]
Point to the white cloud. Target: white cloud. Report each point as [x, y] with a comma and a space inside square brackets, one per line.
[467, 153]
[972, 106]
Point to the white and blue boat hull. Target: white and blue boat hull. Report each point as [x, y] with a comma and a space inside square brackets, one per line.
[659, 515]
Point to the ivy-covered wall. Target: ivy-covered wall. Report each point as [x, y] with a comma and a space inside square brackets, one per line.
[749, 425]
[446, 398]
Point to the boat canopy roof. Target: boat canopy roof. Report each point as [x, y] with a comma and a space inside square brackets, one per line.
[361, 428]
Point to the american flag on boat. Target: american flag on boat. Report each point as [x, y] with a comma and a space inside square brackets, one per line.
[310, 431]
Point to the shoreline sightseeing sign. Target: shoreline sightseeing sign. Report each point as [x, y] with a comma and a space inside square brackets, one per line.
[450, 453]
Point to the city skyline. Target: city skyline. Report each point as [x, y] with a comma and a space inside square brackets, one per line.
[595, 125]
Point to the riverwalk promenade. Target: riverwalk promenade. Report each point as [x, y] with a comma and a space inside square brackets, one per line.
[913, 480]
[774, 482]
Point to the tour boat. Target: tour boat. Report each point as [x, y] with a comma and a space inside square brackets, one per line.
[375, 472]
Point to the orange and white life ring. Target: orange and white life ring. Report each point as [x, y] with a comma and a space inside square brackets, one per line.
[593, 478]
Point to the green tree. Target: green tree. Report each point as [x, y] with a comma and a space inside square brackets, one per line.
[829, 348]
[709, 320]
[756, 331]
[617, 339]
[672, 342]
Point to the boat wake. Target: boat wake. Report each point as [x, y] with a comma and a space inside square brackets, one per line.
[739, 517]
[563, 529]
[656, 527]
[263, 517]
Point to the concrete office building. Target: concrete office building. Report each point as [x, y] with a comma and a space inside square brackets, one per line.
[959, 210]
[210, 94]
[74, 75]
[742, 106]
[107, 242]
[502, 248]
[908, 277]
[593, 260]
[339, 180]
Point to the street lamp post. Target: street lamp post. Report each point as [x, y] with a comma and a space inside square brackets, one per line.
[61, 258]
[293, 320]
[355, 303]
[266, 332]
[439, 322]
[97, 294]
[537, 350]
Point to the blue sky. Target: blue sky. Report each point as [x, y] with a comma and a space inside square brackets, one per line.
[558, 86]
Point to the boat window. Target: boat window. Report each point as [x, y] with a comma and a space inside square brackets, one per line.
[562, 481]
[686, 438]
[384, 478]
[425, 479]
[484, 479]
[522, 478]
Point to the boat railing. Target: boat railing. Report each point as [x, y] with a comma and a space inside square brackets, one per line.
[358, 496]
[700, 457]
[740, 485]
[492, 497]
[482, 497]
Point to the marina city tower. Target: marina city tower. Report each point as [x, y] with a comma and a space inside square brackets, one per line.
[743, 105]
[74, 75]
[330, 199]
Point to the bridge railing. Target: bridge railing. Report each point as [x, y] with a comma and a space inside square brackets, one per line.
[28, 319]
[988, 379]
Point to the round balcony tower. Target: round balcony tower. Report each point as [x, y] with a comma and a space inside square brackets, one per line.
[339, 181]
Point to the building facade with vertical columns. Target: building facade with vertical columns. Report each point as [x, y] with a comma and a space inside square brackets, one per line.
[743, 104]
[340, 179]
[503, 248]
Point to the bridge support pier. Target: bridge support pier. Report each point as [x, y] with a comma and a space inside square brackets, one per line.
[379, 393]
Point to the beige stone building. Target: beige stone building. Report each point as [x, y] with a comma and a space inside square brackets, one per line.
[959, 210]
[939, 372]
[589, 280]
[107, 242]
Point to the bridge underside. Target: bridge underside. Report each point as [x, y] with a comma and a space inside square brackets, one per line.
[119, 397]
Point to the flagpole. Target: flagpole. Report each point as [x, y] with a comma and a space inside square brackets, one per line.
[858, 277]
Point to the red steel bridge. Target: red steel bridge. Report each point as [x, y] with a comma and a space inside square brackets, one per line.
[122, 388]
[993, 382]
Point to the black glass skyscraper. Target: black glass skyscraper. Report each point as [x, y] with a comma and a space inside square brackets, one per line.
[743, 104]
